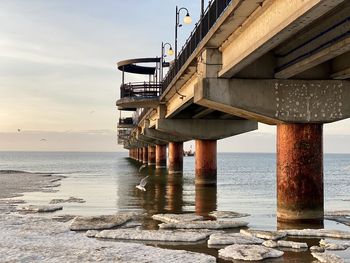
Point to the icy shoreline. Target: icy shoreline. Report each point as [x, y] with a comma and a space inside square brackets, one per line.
[32, 238]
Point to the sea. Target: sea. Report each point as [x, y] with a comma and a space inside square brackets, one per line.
[246, 183]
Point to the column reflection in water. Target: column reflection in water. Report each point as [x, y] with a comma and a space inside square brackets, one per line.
[174, 193]
[153, 201]
[205, 199]
[304, 256]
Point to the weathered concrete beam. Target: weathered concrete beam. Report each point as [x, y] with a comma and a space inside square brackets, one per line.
[137, 103]
[149, 140]
[163, 136]
[277, 101]
[202, 113]
[335, 49]
[277, 21]
[205, 129]
[343, 74]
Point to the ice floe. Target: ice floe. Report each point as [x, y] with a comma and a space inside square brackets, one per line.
[33, 239]
[40, 208]
[317, 249]
[150, 235]
[175, 218]
[248, 252]
[69, 200]
[227, 214]
[327, 258]
[209, 224]
[334, 246]
[291, 244]
[285, 244]
[273, 235]
[341, 216]
[219, 239]
[63, 218]
[270, 243]
[99, 222]
[318, 233]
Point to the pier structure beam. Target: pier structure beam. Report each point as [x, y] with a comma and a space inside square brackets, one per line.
[160, 156]
[151, 155]
[205, 162]
[145, 155]
[300, 173]
[175, 157]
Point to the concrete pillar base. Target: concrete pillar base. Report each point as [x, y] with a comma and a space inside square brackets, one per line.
[206, 168]
[160, 156]
[300, 173]
[175, 157]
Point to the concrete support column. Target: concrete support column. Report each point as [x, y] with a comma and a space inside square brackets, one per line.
[151, 155]
[160, 156]
[300, 172]
[205, 162]
[145, 155]
[176, 157]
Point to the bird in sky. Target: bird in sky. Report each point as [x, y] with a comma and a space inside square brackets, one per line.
[18, 130]
[142, 184]
[43, 140]
[142, 166]
[91, 112]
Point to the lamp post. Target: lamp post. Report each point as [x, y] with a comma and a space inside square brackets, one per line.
[170, 52]
[187, 20]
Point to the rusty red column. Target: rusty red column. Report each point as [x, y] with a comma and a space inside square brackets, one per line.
[160, 156]
[145, 155]
[175, 157]
[205, 162]
[151, 155]
[300, 172]
[140, 156]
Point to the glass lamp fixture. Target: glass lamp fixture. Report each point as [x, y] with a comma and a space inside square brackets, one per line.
[187, 19]
[170, 51]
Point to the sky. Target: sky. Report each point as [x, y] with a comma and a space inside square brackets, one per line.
[58, 76]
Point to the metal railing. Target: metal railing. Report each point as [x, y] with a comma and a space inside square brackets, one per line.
[211, 15]
[127, 120]
[140, 89]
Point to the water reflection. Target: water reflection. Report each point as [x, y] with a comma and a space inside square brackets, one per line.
[174, 193]
[300, 256]
[206, 199]
[299, 225]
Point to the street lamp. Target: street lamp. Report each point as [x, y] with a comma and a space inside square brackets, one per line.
[169, 52]
[187, 20]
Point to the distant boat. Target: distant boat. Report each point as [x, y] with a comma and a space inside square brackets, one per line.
[189, 153]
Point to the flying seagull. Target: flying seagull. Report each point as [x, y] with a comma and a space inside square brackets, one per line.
[142, 184]
[142, 166]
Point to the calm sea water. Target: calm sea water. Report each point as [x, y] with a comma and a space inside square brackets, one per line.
[246, 183]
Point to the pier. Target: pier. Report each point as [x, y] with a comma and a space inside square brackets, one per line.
[282, 63]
